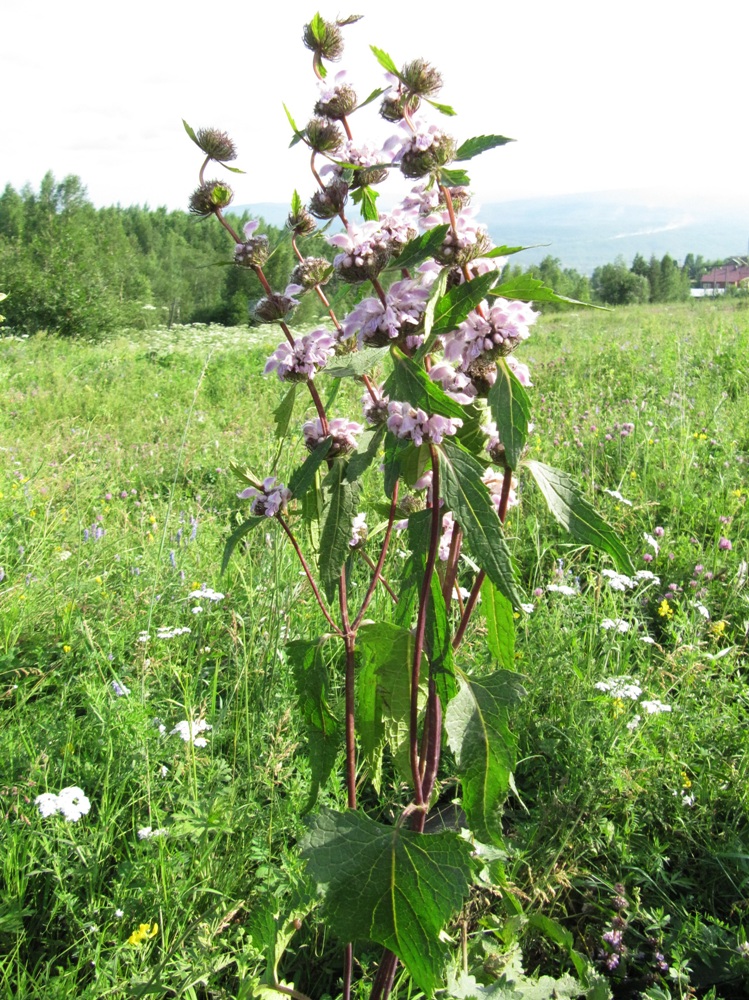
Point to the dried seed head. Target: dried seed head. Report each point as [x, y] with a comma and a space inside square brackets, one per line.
[311, 271]
[210, 197]
[329, 202]
[323, 135]
[301, 223]
[421, 78]
[364, 176]
[216, 144]
[394, 107]
[273, 307]
[420, 162]
[324, 39]
[341, 103]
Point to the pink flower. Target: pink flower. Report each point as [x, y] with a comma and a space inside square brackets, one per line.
[725, 545]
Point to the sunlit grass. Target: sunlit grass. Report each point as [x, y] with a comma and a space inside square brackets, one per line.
[115, 502]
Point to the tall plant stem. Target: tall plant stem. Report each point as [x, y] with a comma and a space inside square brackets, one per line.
[383, 982]
[318, 406]
[380, 579]
[421, 620]
[308, 573]
[206, 161]
[349, 638]
[380, 562]
[230, 230]
[451, 575]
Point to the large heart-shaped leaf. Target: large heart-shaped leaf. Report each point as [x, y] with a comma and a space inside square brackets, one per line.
[484, 747]
[407, 886]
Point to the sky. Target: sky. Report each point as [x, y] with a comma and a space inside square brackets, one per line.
[637, 95]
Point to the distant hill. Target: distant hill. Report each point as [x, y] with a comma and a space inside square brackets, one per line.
[586, 230]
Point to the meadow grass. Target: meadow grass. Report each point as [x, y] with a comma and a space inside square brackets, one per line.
[115, 502]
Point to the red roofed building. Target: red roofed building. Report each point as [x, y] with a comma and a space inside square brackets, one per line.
[723, 277]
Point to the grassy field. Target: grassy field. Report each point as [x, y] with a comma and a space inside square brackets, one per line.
[116, 626]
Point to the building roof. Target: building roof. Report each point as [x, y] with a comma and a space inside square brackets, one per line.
[731, 274]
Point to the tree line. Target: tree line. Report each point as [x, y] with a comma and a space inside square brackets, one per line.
[76, 270]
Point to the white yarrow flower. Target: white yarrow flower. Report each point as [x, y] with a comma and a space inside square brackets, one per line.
[189, 731]
[71, 802]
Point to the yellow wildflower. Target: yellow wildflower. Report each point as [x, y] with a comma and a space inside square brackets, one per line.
[633, 474]
[665, 610]
[66, 648]
[617, 706]
[685, 782]
[718, 629]
[144, 932]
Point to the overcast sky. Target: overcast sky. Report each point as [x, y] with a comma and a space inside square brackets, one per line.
[642, 94]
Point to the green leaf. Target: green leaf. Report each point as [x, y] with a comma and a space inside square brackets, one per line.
[367, 198]
[570, 508]
[418, 250]
[298, 136]
[339, 508]
[383, 694]
[408, 885]
[511, 411]
[530, 289]
[454, 178]
[500, 624]
[438, 645]
[317, 28]
[312, 680]
[444, 109]
[283, 412]
[191, 132]
[479, 144]
[394, 451]
[237, 535]
[296, 203]
[436, 293]
[409, 383]
[372, 97]
[367, 447]
[484, 748]
[504, 251]
[455, 305]
[468, 498]
[385, 61]
[304, 476]
[357, 363]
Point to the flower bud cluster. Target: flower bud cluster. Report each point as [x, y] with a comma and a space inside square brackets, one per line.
[273, 307]
[323, 135]
[216, 144]
[329, 202]
[456, 385]
[365, 252]
[254, 251]
[341, 430]
[375, 411]
[336, 101]
[422, 151]
[366, 162]
[310, 272]
[412, 423]
[302, 361]
[210, 198]
[269, 500]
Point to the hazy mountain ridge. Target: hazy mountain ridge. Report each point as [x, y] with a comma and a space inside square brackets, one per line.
[587, 230]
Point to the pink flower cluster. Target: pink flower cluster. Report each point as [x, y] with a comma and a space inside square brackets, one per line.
[341, 430]
[302, 361]
[376, 324]
[406, 421]
[497, 332]
[269, 500]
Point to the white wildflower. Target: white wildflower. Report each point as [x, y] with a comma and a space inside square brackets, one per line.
[562, 588]
[615, 623]
[148, 833]
[617, 496]
[207, 594]
[189, 731]
[71, 802]
[655, 707]
[620, 687]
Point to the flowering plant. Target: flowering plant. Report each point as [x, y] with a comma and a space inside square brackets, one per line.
[448, 428]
